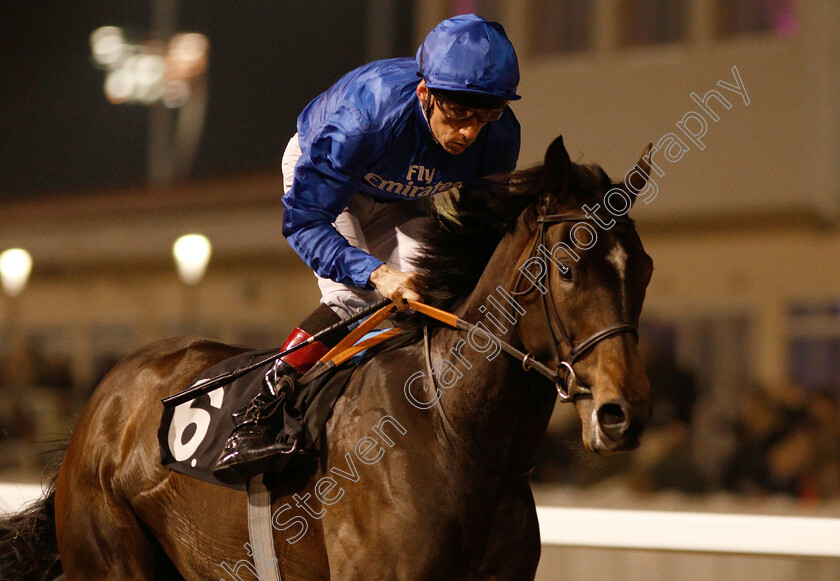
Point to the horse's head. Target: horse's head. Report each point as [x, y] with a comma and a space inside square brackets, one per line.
[582, 283]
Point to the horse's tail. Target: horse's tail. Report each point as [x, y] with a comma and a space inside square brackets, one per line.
[28, 545]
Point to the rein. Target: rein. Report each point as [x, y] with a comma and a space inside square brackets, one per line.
[564, 377]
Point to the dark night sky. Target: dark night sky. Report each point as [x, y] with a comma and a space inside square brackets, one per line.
[268, 58]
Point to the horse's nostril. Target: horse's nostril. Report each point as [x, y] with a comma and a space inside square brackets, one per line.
[613, 420]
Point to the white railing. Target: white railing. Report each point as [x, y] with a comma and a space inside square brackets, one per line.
[690, 532]
[14, 496]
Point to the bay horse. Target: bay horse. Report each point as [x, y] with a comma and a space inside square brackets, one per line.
[421, 472]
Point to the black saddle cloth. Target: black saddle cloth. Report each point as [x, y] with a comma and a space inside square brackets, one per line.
[192, 434]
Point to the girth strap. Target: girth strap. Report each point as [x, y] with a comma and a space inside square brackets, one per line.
[260, 531]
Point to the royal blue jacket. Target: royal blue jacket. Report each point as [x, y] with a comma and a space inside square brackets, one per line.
[368, 134]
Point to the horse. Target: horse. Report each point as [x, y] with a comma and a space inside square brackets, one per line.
[421, 471]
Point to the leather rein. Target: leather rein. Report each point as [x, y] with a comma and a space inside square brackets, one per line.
[564, 377]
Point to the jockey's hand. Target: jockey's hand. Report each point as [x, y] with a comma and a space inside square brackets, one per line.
[396, 285]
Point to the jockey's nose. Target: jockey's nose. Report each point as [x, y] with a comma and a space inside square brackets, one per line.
[470, 131]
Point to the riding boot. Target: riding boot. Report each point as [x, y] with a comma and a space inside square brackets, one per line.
[253, 446]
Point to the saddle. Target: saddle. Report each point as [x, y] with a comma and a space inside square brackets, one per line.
[194, 429]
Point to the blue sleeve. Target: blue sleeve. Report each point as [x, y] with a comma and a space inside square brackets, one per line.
[326, 178]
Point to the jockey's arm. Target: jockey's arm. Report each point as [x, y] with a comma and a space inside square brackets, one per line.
[326, 178]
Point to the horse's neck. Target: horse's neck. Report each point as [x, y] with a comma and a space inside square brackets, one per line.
[494, 406]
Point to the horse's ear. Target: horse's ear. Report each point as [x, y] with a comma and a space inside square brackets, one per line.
[558, 166]
[637, 178]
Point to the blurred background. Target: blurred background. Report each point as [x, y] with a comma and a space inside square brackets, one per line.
[124, 126]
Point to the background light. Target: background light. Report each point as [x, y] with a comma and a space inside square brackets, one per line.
[175, 94]
[150, 71]
[108, 45]
[15, 266]
[192, 254]
[186, 57]
[119, 85]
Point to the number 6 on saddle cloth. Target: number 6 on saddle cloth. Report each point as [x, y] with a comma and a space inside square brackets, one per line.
[193, 433]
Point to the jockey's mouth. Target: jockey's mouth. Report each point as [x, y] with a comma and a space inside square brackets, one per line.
[458, 146]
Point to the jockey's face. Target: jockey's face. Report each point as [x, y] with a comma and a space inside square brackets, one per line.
[454, 135]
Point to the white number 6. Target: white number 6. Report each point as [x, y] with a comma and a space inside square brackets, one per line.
[184, 416]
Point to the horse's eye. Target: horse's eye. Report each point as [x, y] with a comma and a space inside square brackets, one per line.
[566, 273]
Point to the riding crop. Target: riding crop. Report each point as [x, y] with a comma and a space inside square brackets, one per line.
[208, 384]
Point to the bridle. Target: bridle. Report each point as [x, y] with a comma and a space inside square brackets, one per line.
[564, 377]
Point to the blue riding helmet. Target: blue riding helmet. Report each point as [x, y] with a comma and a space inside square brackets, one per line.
[470, 54]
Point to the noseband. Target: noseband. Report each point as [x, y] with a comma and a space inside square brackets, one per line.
[564, 377]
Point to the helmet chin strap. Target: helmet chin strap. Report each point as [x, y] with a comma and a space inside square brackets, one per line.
[427, 115]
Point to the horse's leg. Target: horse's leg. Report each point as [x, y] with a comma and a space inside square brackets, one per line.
[513, 546]
[98, 536]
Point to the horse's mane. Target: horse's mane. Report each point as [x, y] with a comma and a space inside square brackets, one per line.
[467, 226]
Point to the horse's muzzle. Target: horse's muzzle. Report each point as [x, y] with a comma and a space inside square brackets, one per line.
[613, 426]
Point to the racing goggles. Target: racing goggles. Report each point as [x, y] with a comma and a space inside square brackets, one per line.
[461, 114]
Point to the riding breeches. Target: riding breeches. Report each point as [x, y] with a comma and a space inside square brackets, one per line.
[389, 231]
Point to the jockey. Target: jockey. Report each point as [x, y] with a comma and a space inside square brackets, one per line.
[367, 154]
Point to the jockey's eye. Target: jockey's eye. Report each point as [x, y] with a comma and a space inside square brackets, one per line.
[455, 112]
